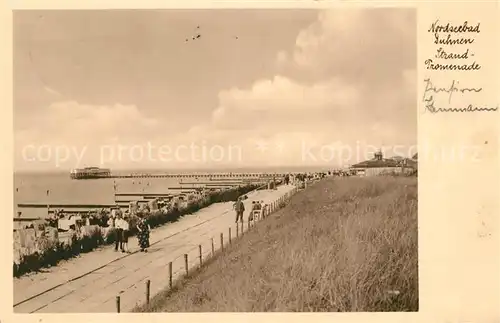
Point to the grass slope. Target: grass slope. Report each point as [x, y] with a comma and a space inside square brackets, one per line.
[341, 245]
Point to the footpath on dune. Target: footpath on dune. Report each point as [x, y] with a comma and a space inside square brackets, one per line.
[341, 245]
[90, 283]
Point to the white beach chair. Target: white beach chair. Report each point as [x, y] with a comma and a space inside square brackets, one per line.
[258, 214]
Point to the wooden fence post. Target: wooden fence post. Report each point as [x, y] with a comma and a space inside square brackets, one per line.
[229, 235]
[221, 241]
[201, 256]
[148, 289]
[213, 247]
[118, 304]
[186, 263]
[170, 274]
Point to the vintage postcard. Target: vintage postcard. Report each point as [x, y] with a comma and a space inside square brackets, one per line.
[208, 157]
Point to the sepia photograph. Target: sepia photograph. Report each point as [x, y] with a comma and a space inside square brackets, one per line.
[223, 160]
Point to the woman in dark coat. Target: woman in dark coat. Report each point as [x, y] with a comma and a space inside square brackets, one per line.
[143, 229]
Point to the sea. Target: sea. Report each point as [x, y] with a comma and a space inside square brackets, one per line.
[57, 188]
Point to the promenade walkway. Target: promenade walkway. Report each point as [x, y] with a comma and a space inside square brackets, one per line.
[91, 282]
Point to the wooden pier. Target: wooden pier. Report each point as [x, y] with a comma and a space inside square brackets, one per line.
[212, 176]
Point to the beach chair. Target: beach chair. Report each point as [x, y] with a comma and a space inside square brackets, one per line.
[257, 214]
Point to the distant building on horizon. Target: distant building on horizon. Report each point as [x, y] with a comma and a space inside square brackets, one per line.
[379, 165]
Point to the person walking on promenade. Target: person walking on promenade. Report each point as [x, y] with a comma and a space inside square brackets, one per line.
[118, 231]
[287, 179]
[239, 207]
[143, 229]
[124, 224]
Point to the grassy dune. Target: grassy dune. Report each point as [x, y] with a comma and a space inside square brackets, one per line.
[341, 245]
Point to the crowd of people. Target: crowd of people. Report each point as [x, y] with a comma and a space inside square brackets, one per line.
[239, 208]
[120, 221]
[121, 224]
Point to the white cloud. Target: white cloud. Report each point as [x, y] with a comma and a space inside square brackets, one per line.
[358, 87]
[70, 121]
[73, 126]
[271, 103]
[359, 44]
[349, 81]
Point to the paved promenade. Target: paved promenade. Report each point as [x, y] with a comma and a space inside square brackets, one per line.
[91, 282]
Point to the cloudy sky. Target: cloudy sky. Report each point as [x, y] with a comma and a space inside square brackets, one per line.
[124, 89]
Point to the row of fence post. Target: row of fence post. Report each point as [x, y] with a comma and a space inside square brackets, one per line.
[273, 207]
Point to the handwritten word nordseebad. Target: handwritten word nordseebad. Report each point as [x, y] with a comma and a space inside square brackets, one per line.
[448, 28]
